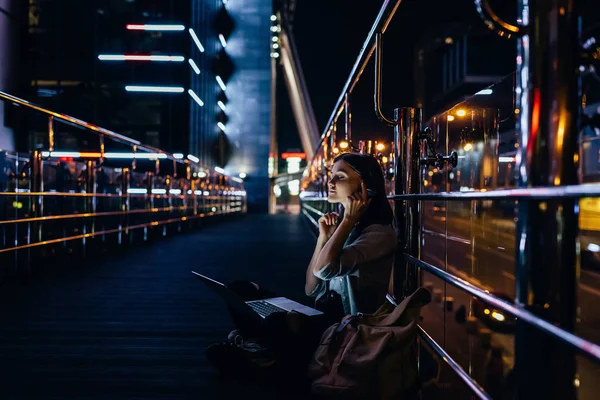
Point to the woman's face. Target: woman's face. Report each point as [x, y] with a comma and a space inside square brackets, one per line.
[344, 181]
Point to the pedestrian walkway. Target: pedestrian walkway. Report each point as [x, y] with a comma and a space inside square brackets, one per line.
[135, 325]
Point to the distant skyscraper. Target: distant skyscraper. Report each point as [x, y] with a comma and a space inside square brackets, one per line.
[188, 76]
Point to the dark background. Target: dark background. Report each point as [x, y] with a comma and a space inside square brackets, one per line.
[329, 35]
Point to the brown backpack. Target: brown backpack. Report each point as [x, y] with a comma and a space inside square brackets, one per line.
[370, 355]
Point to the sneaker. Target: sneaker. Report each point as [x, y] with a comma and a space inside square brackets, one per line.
[235, 337]
[234, 358]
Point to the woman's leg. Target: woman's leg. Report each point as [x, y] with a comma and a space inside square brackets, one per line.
[247, 291]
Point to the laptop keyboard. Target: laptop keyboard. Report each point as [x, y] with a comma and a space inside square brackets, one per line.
[263, 308]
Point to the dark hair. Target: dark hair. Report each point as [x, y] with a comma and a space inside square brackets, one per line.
[369, 170]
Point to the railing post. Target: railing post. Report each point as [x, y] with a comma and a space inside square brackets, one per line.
[101, 201]
[36, 181]
[168, 180]
[348, 117]
[51, 137]
[547, 231]
[125, 204]
[407, 180]
[149, 202]
[90, 201]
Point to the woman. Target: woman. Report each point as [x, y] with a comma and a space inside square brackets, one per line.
[354, 254]
[349, 271]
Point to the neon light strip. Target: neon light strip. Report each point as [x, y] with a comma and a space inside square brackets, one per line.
[150, 27]
[506, 159]
[223, 41]
[239, 180]
[137, 191]
[155, 89]
[196, 40]
[221, 105]
[220, 170]
[194, 66]
[177, 156]
[195, 97]
[135, 155]
[159, 191]
[135, 57]
[77, 154]
[193, 158]
[221, 126]
[221, 83]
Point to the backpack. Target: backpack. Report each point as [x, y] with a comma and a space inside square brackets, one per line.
[370, 355]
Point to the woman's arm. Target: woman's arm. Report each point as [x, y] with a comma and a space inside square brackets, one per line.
[311, 279]
[355, 206]
[333, 248]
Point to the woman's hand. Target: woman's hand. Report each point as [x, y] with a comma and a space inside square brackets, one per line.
[327, 224]
[356, 204]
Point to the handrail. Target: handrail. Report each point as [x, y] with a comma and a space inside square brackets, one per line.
[494, 22]
[88, 126]
[587, 348]
[537, 193]
[385, 15]
[378, 68]
[454, 366]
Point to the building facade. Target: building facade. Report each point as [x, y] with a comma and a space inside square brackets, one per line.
[186, 76]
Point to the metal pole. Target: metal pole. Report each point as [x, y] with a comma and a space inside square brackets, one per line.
[125, 203]
[547, 232]
[51, 137]
[90, 188]
[149, 201]
[37, 201]
[407, 180]
[348, 115]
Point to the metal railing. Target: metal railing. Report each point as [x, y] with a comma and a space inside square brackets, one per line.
[546, 164]
[64, 201]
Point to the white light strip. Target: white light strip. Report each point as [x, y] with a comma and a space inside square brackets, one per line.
[221, 83]
[236, 179]
[178, 156]
[221, 105]
[220, 170]
[223, 41]
[202, 174]
[135, 57]
[196, 40]
[176, 192]
[137, 191]
[76, 154]
[159, 191]
[206, 193]
[198, 192]
[484, 92]
[506, 159]
[195, 97]
[154, 89]
[150, 27]
[55, 154]
[135, 155]
[193, 158]
[194, 66]
[221, 126]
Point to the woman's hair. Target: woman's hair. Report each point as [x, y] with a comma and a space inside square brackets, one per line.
[369, 170]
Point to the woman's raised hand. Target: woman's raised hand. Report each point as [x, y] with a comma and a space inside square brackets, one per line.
[356, 204]
[327, 224]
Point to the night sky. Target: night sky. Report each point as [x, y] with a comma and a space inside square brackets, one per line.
[329, 35]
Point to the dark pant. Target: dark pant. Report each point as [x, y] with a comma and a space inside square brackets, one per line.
[292, 348]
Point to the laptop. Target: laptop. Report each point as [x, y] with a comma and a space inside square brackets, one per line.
[256, 309]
